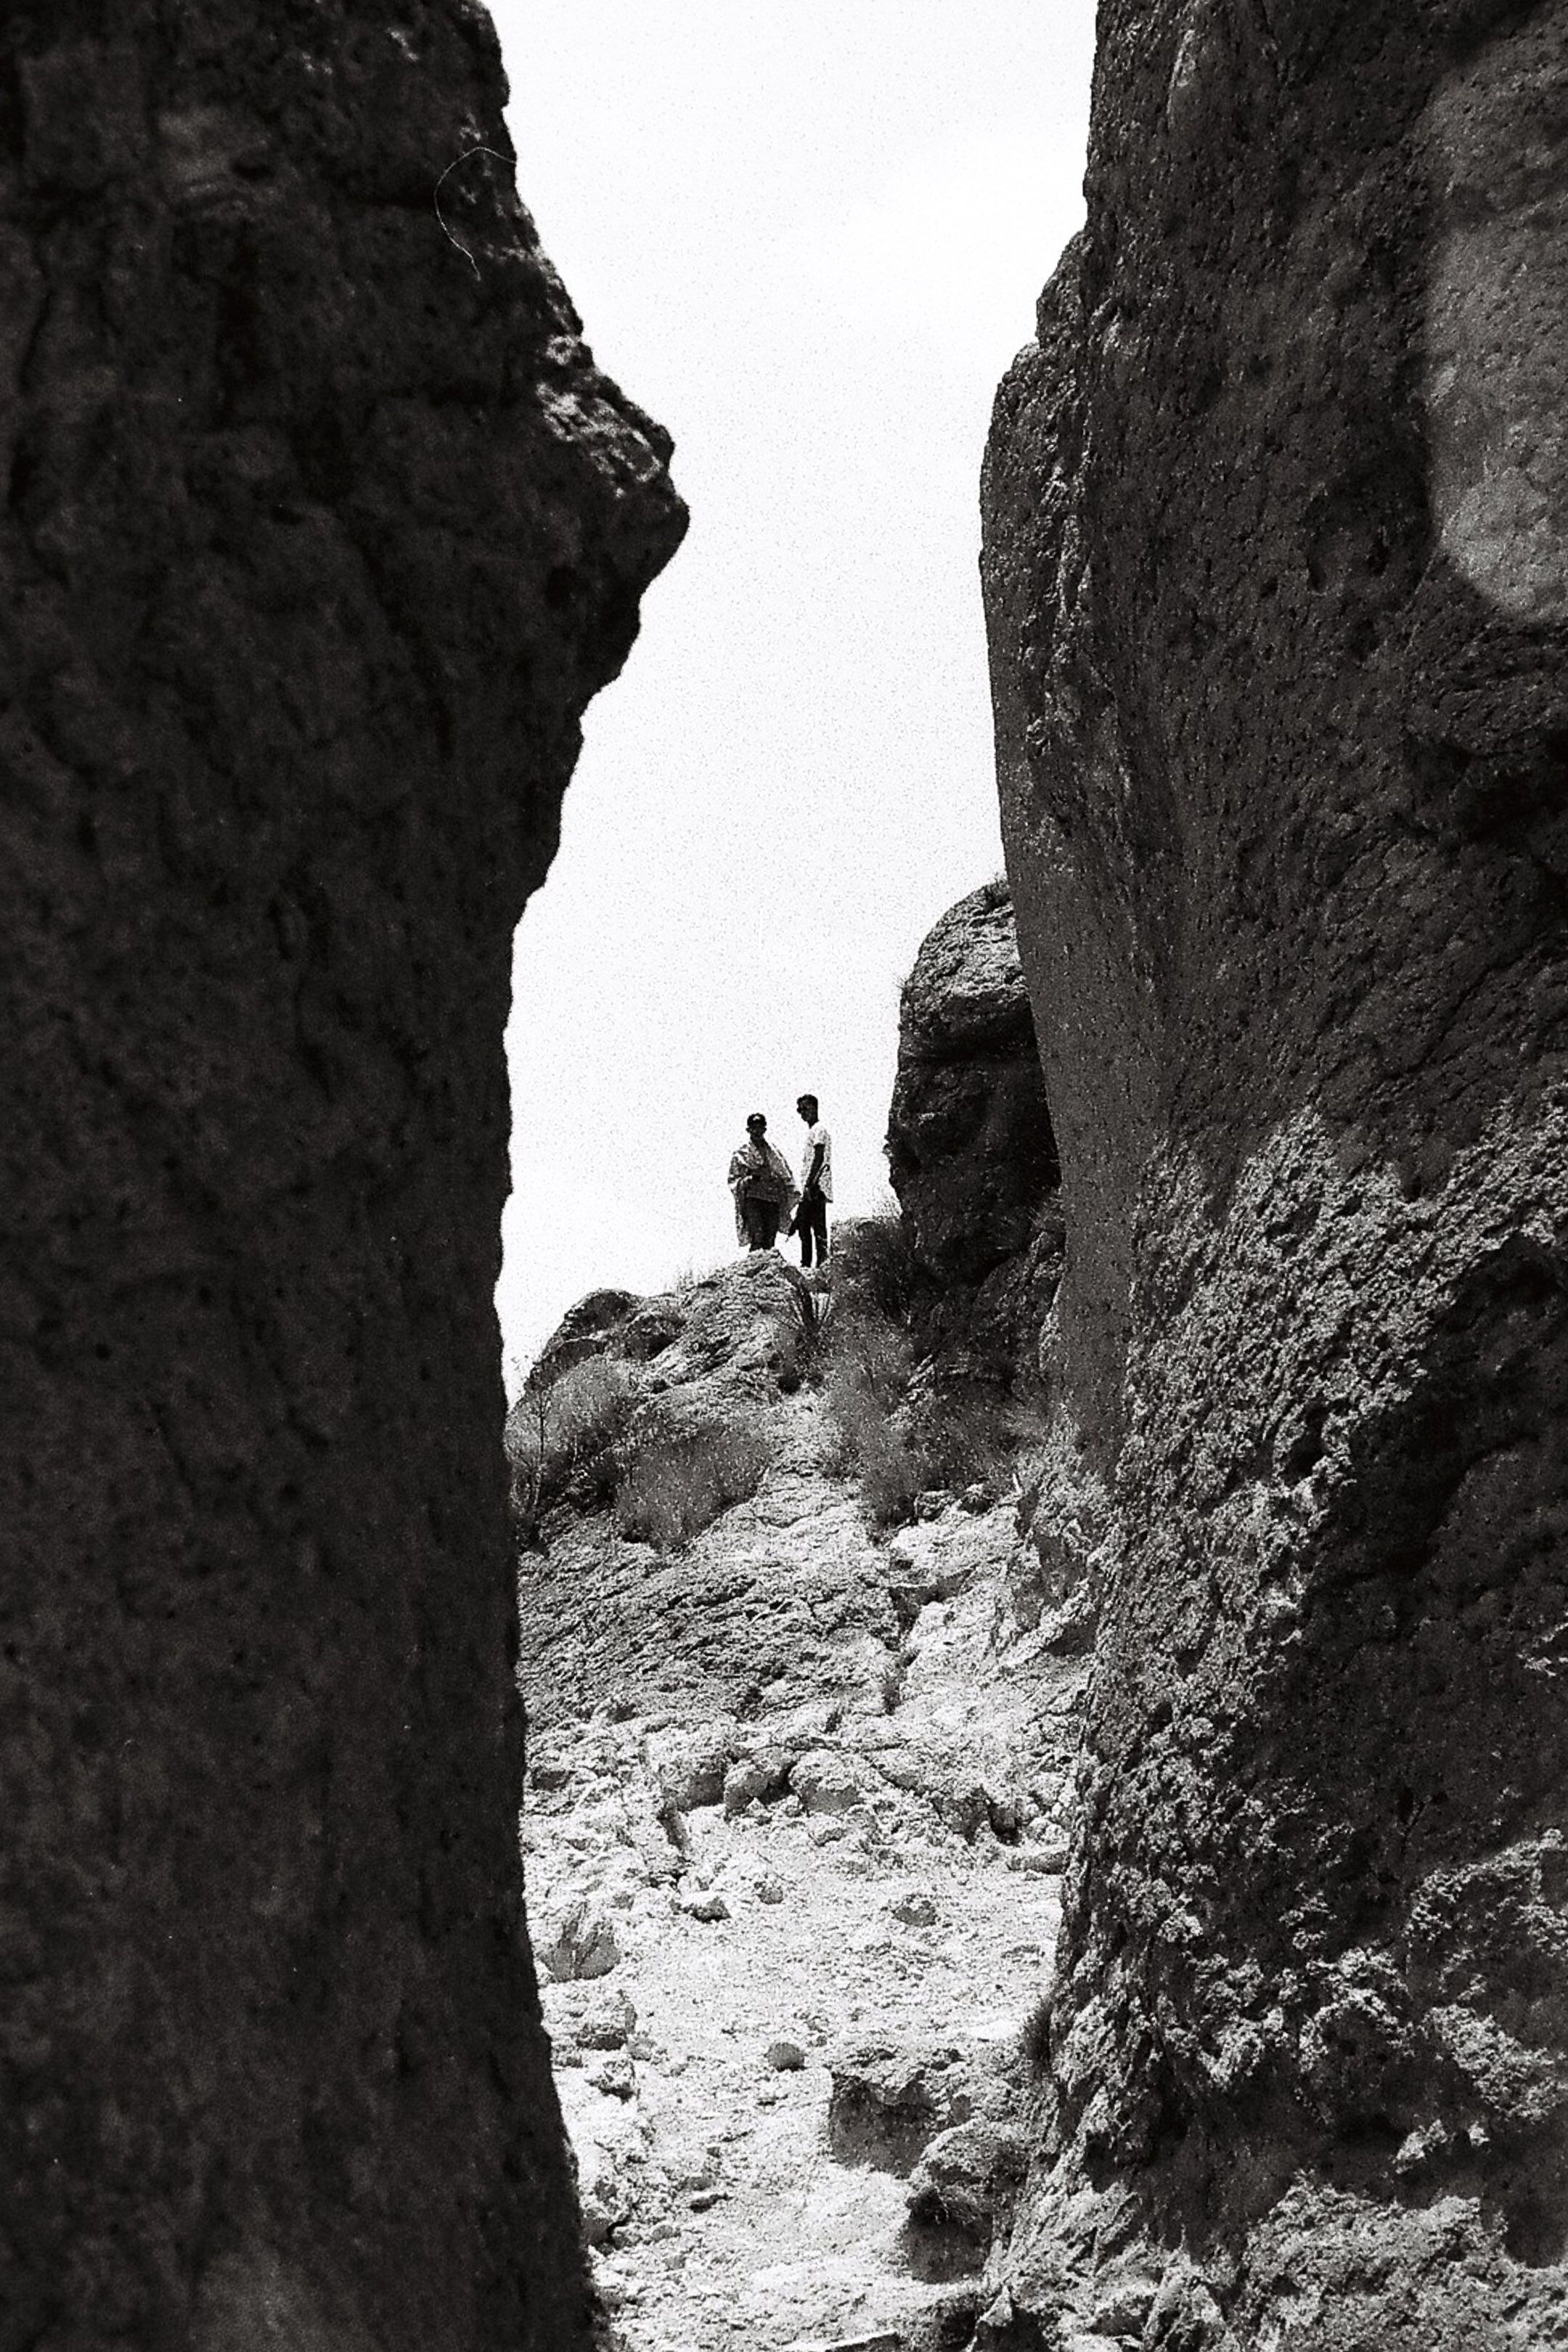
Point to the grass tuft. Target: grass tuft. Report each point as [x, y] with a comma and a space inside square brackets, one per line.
[672, 1487]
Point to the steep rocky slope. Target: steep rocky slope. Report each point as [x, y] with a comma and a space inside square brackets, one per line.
[797, 1811]
[1275, 563]
[321, 528]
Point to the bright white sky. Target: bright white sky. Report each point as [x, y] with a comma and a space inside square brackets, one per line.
[807, 237]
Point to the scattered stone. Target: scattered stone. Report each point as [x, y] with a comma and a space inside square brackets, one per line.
[613, 2074]
[965, 1808]
[546, 1776]
[615, 2289]
[690, 1768]
[700, 2199]
[769, 1890]
[602, 2192]
[915, 1907]
[758, 1779]
[699, 2172]
[786, 2056]
[890, 2099]
[901, 1768]
[576, 1941]
[706, 1905]
[825, 1783]
[606, 2023]
[1049, 1857]
[884, 2340]
[1124, 2306]
[961, 2193]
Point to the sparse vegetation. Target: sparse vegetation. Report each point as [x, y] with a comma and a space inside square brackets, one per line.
[867, 1360]
[892, 1428]
[875, 1269]
[1035, 2042]
[562, 1434]
[672, 1487]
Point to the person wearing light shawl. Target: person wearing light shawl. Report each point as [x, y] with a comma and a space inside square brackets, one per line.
[764, 1189]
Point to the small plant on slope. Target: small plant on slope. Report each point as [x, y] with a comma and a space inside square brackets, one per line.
[673, 1487]
[563, 1430]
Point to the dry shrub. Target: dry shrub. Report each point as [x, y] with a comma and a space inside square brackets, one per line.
[866, 1358]
[672, 1487]
[562, 1435]
[1035, 2042]
[977, 1437]
[866, 1378]
[875, 1274]
[894, 1424]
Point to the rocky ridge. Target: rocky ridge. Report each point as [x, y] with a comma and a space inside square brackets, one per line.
[798, 1804]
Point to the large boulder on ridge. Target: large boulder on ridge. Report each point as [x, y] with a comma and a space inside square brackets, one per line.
[321, 528]
[1276, 577]
[970, 1149]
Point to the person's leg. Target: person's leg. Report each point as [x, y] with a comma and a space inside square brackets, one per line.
[752, 1214]
[802, 1227]
[821, 1231]
[767, 1224]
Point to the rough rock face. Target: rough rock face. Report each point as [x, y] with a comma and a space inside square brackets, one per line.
[1276, 569]
[971, 1154]
[321, 530]
[970, 1149]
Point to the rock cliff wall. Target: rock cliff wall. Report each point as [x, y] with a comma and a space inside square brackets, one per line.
[1277, 572]
[320, 528]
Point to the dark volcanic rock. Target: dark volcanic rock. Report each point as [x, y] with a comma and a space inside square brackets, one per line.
[1276, 570]
[321, 528]
[970, 1149]
[972, 1159]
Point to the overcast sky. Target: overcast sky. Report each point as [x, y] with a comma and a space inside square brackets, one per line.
[808, 235]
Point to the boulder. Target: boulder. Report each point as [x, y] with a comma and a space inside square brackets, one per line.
[971, 1152]
[1275, 563]
[889, 2098]
[320, 529]
[690, 1768]
[827, 1783]
[576, 1940]
[961, 2195]
[758, 1778]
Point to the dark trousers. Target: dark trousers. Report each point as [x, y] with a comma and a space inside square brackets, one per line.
[761, 1219]
[811, 1224]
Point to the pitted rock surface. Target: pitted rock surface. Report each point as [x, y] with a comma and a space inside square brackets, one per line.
[320, 529]
[1274, 553]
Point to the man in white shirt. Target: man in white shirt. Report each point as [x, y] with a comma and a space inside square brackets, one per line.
[816, 1183]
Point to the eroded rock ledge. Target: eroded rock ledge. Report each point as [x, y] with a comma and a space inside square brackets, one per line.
[320, 529]
[1276, 572]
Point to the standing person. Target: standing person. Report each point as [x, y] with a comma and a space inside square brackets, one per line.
[763, 1186]
[816, 1183]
